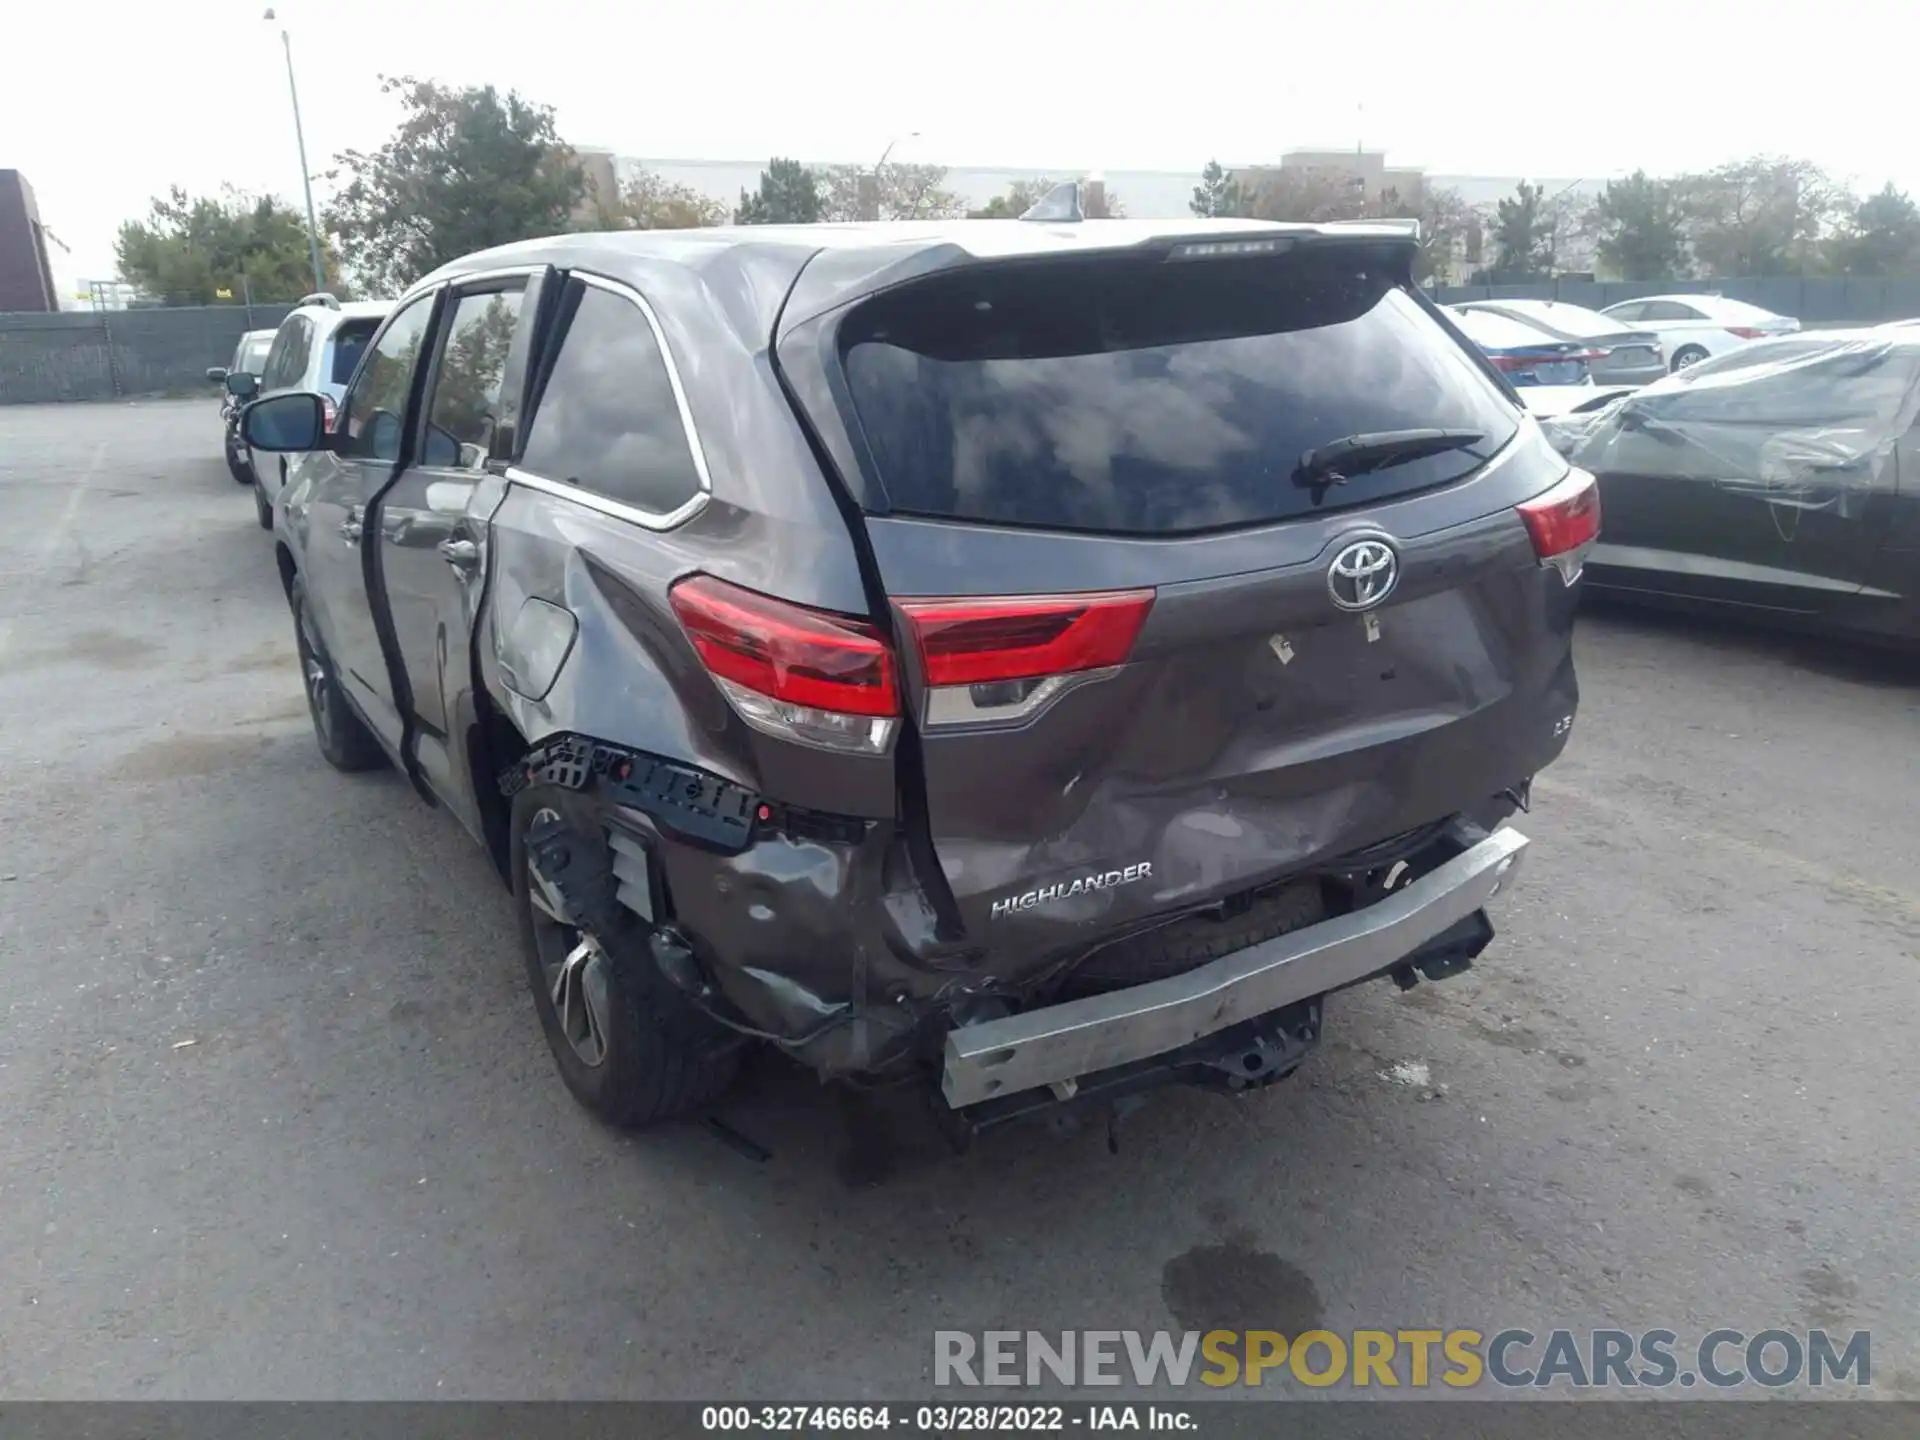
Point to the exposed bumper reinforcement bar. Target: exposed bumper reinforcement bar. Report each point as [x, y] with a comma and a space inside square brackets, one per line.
[1064, 1042]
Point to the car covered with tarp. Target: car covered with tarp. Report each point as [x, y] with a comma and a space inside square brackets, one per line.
[1782, 477]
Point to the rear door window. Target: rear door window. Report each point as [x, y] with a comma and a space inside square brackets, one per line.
[466, 387]
[609, 419]
[376, 407]
[288, 357]
[1148, 396]
[349, 341]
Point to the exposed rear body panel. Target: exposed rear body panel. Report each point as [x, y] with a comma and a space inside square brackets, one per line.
[1256, 728]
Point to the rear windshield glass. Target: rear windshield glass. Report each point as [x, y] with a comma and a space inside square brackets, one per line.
[349, 339]
[1149, 396]
[253, 354]
[1568, 319]
[1499, 332]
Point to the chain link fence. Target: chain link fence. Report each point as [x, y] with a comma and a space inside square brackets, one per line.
[114, 354]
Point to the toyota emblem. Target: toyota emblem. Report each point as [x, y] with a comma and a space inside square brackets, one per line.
[1363, 574]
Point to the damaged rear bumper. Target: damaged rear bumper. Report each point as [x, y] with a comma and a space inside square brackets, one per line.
[1061, 1043]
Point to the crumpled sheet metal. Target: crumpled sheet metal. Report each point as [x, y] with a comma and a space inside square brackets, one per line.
[1806, 423]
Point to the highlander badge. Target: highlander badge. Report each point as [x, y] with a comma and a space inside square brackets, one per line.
[1066, 889]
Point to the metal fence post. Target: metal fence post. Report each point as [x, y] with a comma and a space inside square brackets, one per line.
[113, 359]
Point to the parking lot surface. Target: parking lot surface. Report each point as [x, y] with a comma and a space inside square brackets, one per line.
[276, 1117]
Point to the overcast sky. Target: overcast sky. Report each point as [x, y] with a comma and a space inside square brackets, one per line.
[107, 102]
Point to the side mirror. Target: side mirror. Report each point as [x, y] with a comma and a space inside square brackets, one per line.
[216, 373]
[285, 423]
[241, 385]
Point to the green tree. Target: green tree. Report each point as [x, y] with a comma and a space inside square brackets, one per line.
[1308, 195]
[1880, 237]
[1444, 219]
[1314, 195]
[1022, 195]
[1015, 201]
[190, 249]
[1641, 227]
[648, 202]
[789, 194]
[1761, 216]
[893, 191]
[466, 169]
[1522, 237]
[1218, 195]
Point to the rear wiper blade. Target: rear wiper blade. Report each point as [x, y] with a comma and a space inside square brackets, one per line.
[1332, 463]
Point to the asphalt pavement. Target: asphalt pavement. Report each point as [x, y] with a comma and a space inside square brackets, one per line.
[276, 1117]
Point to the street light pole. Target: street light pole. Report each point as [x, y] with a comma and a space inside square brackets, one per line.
[306, 182]
[871, 200]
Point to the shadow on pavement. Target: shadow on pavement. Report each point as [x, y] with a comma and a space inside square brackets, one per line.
[1837, 657]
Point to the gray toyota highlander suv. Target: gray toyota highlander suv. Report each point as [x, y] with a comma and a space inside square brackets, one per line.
[1047, 659]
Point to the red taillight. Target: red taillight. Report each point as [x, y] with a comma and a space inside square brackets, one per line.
[1745, 332]
[1565, 519]
[980, 641]
[786, 652]
[329, 413]
[1517, 364]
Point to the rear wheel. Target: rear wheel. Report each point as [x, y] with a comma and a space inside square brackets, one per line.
[344, 739]
[1688, 355]
[238, 468]
[262, 508]
[629, 1046]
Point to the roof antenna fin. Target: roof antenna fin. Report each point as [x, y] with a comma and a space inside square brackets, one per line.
[1062, 202]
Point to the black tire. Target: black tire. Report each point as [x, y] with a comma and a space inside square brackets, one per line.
[241, 472]
[658, 1057]
[345, 741]
[262, 508]
[1687, 355]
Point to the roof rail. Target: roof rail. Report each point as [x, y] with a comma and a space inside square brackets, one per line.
[319, 297]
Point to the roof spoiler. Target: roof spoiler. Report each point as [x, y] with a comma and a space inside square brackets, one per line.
[1404, 223]
[319, 297]
[1060, 203]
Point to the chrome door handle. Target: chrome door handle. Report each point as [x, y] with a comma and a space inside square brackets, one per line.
[462, 555]
[350, 529]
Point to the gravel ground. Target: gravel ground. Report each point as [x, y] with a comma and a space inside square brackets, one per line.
[280, 1122]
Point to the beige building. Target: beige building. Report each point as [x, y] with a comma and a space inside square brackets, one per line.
[1366, 170]
[603, 182]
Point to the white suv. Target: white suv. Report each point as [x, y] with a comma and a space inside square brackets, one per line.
[315, 349]
[1692, 327]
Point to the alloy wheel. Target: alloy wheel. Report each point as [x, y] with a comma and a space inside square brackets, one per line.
[574, 966]
[313, 670]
